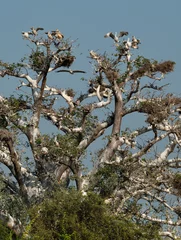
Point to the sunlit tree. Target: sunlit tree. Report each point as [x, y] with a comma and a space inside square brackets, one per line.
[136, 172]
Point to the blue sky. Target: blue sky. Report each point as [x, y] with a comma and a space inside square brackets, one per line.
[156, 23]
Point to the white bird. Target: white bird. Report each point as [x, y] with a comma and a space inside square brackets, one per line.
[35, 30]
[1, 99]
[127, 44]
[44, 150]
[21, 123]
[11, 222]
[113, 36]
[26, 35]
[128, 57]
[93, 54]
[39, 43]
[135, 42]
[58, 34]
[56, 142]
[49, 35]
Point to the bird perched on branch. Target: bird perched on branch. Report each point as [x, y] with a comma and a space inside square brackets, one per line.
[94, 54]
[49, 35]
[135, 42]
[127, 44]
[57, 34]
[35, 30]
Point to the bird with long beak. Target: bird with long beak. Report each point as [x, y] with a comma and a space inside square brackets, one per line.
[35, 30]
[57, 34]
[113, 36]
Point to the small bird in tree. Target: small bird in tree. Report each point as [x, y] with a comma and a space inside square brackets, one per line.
[94, 54]
[113, 36]
[26, 35]
[128, 57]
[57, 34]
[135, 42]
[49, 35]
[35, 30]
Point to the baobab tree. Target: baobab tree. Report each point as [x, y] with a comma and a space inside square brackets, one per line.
[136, 172]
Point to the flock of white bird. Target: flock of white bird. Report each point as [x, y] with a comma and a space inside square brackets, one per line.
[133, 43]
[57, 35]
[51, 34]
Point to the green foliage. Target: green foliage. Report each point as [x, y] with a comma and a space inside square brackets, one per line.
[78, 117]
[37, 60]
[6, 233]
[144, 66]
[67, 145]
[3, 121]
[123, 77]
[141, 61]
[11, 67]
[69, 215]
[177, 181]
[12, 203]
[158, 109]
[107, 179]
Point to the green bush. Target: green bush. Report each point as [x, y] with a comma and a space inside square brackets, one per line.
[70, 216]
